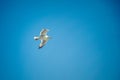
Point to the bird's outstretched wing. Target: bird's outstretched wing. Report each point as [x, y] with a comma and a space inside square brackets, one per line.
[43, 42]
[44, 31]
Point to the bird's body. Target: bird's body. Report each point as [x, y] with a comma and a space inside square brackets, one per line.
[43, 37]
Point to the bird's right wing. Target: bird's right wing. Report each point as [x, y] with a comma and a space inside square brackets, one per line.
[43, 42]
[44, 32]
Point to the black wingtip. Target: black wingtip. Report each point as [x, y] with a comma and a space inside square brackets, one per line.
[40, 47]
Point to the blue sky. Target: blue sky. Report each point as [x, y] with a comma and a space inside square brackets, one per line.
[84, 44]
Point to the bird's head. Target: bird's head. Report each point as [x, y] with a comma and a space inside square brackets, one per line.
[36, 38]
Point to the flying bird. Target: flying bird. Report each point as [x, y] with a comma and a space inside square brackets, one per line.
[43, 37]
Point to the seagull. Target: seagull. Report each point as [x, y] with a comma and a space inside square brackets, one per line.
[43, 37]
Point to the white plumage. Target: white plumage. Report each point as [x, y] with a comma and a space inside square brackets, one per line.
[43, 37]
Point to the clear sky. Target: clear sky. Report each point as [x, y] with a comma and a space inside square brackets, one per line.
[84, 45]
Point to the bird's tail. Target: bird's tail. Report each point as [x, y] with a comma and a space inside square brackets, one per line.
[36, 38]
[49, 37]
